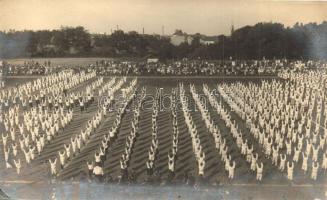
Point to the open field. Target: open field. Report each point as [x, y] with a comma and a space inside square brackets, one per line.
[65, 190]
[215, 183]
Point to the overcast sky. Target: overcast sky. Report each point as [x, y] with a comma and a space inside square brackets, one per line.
[204, 16]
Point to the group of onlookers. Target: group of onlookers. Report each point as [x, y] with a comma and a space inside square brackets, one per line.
[183, 67]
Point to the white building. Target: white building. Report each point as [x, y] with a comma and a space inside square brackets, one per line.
[206, 42]
[178, 39]
[152, 60]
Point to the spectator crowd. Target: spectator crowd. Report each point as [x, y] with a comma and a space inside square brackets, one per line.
[183, 67]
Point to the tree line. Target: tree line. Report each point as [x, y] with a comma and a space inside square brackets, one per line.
[263, 40]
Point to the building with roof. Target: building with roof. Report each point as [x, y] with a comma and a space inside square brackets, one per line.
[179, 37]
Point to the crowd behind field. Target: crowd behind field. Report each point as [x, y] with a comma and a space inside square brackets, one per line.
[184, 67]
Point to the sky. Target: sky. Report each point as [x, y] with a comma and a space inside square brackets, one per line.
[210, 17]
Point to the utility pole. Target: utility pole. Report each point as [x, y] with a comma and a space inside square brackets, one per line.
[223, 49]
[233, 41]
[143, 30]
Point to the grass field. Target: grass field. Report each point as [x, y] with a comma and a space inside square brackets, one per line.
[215, 185]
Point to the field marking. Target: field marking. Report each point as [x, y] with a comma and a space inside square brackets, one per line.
[20, 181]
[276, 185]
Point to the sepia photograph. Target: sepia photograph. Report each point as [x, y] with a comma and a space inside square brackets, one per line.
[163, 99]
